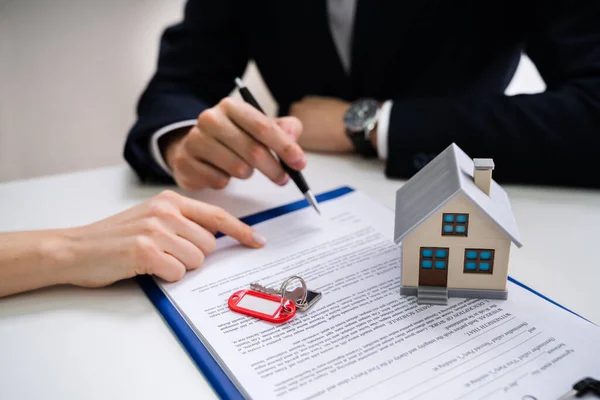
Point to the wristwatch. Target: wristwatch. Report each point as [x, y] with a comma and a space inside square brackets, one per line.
[360, 120]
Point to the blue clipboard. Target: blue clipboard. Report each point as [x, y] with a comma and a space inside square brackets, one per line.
[209, 367]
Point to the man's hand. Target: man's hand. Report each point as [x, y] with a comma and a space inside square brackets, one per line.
[231, 140]
[323, 122]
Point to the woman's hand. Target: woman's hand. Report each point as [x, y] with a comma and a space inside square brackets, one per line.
[164, 236]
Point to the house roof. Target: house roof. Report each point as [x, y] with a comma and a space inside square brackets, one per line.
[441, 180]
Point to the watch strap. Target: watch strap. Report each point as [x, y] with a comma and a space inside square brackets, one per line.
[362, 145]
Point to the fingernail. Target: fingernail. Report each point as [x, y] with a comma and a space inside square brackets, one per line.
[247, 173]
[299, 160]
[259, 239]
[283, 181]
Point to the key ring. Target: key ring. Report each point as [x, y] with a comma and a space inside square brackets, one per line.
[284, 286]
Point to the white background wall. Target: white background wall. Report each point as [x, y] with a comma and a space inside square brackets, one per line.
[71, 72]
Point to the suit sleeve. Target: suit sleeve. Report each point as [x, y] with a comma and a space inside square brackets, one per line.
[549, 138]
[198, 61]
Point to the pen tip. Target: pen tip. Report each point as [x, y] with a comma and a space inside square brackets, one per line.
[239, 83]
[312, 201]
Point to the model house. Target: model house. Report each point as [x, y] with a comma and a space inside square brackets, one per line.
[456, 227]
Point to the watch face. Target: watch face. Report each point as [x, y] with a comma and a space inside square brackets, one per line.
[360, 114]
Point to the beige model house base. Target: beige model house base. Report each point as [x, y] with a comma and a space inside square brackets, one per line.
[456, 227]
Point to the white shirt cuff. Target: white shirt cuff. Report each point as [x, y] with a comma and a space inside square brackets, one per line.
[382, 129]
[155, 150]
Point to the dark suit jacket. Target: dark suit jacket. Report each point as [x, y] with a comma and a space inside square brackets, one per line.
[445, 64]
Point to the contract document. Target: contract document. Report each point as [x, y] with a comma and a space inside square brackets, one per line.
[363, 340]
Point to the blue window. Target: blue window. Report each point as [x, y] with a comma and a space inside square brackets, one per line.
[434, 258]
[479, 261]
[455, 224]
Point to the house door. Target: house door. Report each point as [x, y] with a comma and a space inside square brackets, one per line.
[433, 266]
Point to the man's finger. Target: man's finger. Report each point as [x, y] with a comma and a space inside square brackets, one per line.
[215, 153]
[194, 174]
[267, 132]
[253, 152]
[290, 125]
[216, 219]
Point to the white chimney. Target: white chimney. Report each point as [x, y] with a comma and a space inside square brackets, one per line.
[483, 173]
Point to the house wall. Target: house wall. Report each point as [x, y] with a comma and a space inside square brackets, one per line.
[482, 233]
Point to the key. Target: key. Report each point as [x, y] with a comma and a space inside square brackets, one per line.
[311, 298]
[584, 386]
[263, 289]
[296, 295]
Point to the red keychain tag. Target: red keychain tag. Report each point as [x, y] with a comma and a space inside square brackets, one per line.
[262, 306]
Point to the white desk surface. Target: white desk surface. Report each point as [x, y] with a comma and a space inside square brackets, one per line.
[110, 343]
